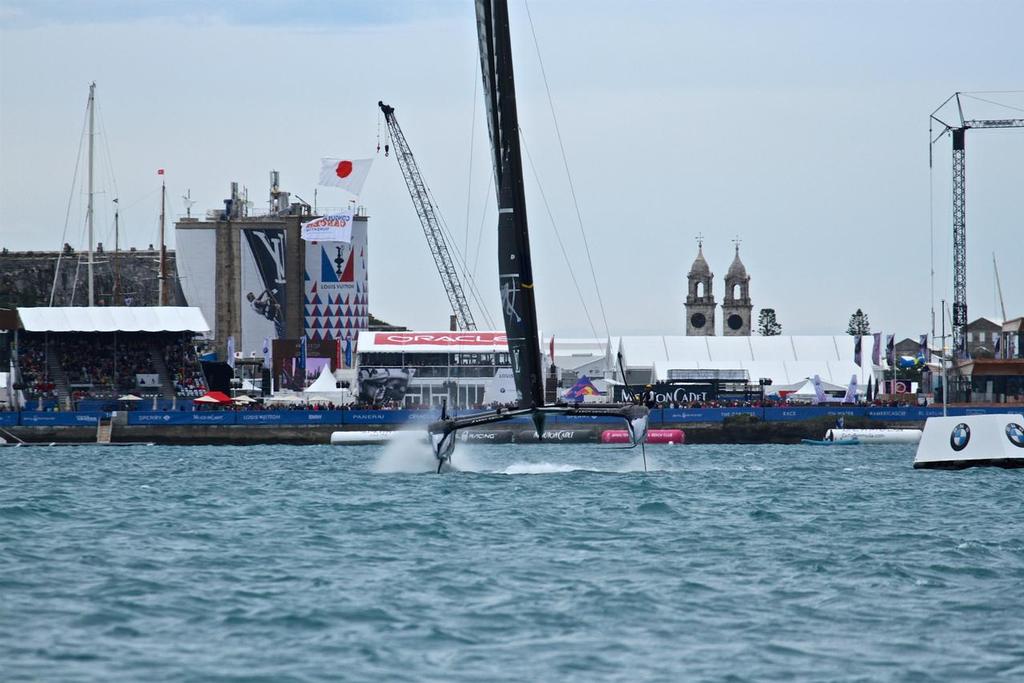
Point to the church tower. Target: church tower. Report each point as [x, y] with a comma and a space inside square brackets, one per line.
[736, 306]
[700, 300]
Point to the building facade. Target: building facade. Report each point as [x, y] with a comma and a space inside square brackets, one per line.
[255, 279]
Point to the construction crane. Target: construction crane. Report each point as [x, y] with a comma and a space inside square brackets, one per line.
[428, 214]
[958, 129]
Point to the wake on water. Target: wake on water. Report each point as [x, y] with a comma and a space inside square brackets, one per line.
[408, 453]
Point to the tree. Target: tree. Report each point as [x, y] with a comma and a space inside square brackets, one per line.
[767, 325]
[859, 324]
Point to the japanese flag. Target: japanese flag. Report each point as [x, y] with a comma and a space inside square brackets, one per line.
[348, 174]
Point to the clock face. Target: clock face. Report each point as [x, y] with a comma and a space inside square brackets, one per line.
[698, 320]
[735, 322]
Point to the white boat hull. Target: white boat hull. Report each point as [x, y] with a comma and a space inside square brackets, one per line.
[868, 436]
[362, 438]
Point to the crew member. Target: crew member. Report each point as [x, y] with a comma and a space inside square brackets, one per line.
[648, 397]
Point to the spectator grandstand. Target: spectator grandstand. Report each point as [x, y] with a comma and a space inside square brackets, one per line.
[74, 354]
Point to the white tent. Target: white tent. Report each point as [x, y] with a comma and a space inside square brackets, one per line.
[804, 391]
[325, 389]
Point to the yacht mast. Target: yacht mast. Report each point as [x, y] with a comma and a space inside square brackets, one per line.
[88, 211]
[117, 254]
[162, 277]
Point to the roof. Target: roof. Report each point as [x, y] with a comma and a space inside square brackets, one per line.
[113, 319]
[700, 266]
[983, 324]
[737, 270]
[783, 359]
[1013, 325]
[325, 383]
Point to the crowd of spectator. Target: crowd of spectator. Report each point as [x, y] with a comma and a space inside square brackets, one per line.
[186, 372]
[98, 373]
[34, 374]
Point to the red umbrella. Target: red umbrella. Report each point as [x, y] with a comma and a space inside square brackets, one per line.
[213, 397]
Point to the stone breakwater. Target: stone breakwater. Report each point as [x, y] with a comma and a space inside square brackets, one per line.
[733, 431]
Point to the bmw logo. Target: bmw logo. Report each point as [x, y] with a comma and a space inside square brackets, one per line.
[960, 437]
[1015, 433]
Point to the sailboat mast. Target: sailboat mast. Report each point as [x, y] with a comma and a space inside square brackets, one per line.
[163, 249]
[117, 254]
[515, 269]
[89, 211]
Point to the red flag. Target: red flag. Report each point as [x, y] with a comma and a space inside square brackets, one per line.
[159, 171]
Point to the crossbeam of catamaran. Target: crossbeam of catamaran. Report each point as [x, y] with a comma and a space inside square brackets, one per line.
[515, 268]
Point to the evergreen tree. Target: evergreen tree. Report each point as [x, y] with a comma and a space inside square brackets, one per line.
[767, 325]
[859, 324]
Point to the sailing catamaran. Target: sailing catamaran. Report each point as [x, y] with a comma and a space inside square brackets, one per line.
[515, 271]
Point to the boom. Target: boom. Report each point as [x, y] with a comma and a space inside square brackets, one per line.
[427, 213]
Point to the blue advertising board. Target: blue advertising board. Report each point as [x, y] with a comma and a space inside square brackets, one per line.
[290, 417]
[8, 419]
[385, 417]
[185, 417]
[60, 419]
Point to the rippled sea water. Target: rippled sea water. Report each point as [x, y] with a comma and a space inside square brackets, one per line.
[533, 563]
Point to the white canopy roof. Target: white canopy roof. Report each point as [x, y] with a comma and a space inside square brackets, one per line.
[783, 359]
[324, 384]
[113, 319]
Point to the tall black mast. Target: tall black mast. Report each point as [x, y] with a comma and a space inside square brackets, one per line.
[515, 269]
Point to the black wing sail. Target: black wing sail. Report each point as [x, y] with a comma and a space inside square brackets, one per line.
[515, 269]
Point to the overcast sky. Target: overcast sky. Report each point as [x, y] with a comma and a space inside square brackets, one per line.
[802, 127]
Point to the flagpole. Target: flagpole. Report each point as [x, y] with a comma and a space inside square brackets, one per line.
[163, 249]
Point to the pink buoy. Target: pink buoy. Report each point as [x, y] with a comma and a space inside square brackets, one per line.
[665, 436]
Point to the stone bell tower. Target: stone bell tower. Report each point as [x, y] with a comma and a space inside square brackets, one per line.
[736, 306]
[700, 300]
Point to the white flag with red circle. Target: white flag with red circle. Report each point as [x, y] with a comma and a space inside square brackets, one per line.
[348, 174]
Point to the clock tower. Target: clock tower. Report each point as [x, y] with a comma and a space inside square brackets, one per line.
[700, 300]
[736, 306]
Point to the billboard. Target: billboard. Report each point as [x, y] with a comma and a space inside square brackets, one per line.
[263, 290]
[335, 287]
[195, 258]
[383, 385]
[287, 363]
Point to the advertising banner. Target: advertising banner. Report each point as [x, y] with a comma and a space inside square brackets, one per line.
[263, 291]
[672, 392]
[195, 259]
[336, 227]
[382, 385]
[147, 380]
[335, 288]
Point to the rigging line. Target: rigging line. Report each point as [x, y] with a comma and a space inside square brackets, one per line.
[110, 161]
[460, 261]
[565, 163]
[998, 104]
[469, 182]
[67, 213]
[992, 92]
[565, 254]
[480, 229]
